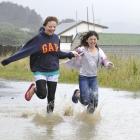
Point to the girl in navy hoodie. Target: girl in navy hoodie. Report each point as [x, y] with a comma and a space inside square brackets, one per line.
[44, 52]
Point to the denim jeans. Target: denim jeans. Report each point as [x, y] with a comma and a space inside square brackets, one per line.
[88, 90]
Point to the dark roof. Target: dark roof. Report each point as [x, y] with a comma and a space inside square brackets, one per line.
[63, 27]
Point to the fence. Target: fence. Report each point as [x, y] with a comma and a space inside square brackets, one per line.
[109, 49]
[121, 49]
[4, 50]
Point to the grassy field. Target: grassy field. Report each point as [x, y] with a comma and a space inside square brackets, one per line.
[18, 70]
[125, 75]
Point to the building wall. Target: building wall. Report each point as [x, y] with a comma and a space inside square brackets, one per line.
[83, 27]
[71, 32]
[65, 46]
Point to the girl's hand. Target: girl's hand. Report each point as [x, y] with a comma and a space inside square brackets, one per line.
[110, 65]
[75, 53]
[4, 62]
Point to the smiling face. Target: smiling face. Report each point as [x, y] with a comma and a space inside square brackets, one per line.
[92, 41]
[50, 27]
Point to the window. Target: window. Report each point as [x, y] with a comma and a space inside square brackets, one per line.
[65, 39]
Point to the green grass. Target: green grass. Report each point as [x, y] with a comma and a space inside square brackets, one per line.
[68, 75]
[125, 75]
[18, 70]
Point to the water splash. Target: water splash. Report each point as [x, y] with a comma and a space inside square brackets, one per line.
[47, 119]
[68, 111]
[88, 118]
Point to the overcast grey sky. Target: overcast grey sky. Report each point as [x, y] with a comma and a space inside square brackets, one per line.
[113, 13]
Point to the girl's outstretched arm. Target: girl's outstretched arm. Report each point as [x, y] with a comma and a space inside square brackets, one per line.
[104, 60]
[29, 48]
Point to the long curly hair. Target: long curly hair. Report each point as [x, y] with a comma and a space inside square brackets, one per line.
[86, 36]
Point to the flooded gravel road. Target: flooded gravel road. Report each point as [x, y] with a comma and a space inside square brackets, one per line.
[116, 118]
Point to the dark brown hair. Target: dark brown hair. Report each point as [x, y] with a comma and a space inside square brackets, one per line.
[86, 36]
[50, 18]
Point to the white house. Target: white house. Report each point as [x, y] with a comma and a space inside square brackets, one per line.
[68, 31]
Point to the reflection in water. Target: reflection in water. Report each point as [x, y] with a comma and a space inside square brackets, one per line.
[86, 131]
[68, 111]
[47, 120]
[117, 115]
[90, 119]
[87, 125]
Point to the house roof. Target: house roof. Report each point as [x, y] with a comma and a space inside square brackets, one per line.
[63, 27]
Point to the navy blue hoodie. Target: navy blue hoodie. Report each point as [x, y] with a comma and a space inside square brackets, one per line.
[44, 52]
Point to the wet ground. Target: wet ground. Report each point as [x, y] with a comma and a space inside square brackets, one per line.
[116, 118]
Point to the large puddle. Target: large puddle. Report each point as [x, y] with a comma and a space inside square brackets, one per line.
[116, 118]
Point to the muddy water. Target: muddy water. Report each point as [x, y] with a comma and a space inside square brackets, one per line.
[116, 118]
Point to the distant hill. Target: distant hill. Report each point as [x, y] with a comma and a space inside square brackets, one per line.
[19, 16]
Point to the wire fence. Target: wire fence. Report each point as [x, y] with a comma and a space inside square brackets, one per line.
[7, 49]
[108, 49]
[121, 49]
